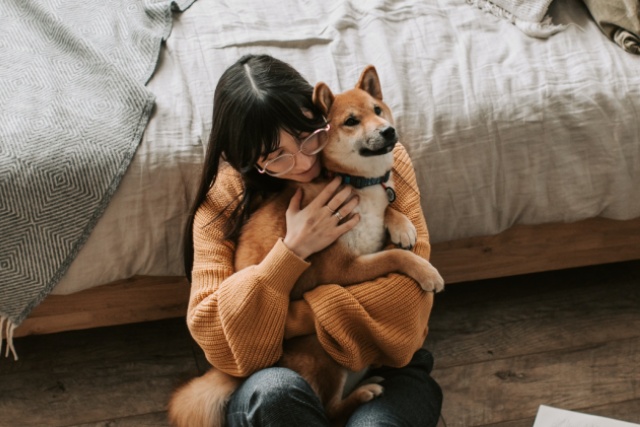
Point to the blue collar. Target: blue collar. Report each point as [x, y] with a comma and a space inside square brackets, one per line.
[360, 181]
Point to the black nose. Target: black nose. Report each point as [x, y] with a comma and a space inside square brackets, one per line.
[389, 133]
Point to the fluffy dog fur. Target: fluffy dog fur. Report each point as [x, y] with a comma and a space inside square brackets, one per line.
[360, 143]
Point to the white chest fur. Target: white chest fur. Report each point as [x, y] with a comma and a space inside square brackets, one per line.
[369, 234]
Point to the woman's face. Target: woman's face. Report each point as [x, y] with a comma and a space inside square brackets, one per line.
[306, 168]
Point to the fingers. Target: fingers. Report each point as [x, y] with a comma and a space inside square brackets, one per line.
[327, 193]
[338, 200]
[317, 226]
[296, 200]
[348, 224]
[347, 208]
[331, 211]
[335, 200]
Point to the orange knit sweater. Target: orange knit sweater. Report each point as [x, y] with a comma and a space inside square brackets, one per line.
[241, 318]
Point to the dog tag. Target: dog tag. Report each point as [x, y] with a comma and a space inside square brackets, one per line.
[391, 195]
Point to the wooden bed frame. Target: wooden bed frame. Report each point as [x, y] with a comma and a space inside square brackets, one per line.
[519, 250]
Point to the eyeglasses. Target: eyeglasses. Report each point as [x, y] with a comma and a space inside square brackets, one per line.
[310, 146]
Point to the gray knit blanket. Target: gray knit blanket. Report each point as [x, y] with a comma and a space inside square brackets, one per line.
[73, 107]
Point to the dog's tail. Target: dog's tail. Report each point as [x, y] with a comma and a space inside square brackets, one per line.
[202, 401]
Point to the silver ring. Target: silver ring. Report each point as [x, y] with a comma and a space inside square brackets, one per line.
[330, 210]
[338, 215]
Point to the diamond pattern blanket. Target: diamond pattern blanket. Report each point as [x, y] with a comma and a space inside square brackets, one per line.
[73, 107]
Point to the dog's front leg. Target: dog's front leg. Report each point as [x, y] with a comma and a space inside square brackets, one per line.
[401, 230]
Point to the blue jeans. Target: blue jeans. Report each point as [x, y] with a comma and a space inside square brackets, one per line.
[279, 397]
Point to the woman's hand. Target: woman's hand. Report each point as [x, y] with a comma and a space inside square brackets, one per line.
[322, 221]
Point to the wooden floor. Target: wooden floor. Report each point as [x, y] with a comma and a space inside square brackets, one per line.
[569, 339]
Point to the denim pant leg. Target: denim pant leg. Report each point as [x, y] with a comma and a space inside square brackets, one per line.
[411, 398]
[275, 397]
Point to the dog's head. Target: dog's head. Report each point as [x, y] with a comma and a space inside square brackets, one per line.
[362, 136]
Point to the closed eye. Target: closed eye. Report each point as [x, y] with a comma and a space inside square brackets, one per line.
[272, 155]
[302, 136]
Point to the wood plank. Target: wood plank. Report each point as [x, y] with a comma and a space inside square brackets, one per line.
[156, 419]
[85, 393]
[127, 301]
[90, 376]
[510, 389]
[533, 248]
[519, 250]
[131, 342]
[501, 318]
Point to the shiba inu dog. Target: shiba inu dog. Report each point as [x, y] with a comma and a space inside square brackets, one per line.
[360, 150]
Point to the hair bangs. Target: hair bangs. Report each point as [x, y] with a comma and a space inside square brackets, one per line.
[260, 134]
[290, 108]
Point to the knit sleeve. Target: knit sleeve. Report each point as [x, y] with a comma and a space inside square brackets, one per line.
[237, 318]
[386, 320]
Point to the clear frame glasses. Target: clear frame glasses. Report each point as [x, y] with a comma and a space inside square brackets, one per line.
[311, 145]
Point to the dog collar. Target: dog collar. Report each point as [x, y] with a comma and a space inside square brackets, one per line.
[359, 181]
[362, 182]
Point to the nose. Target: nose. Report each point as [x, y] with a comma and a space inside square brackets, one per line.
[388, 133]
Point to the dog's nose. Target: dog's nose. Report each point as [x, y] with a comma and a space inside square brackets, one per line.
[389, 133]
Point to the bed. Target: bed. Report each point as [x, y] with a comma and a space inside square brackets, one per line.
[526, 146]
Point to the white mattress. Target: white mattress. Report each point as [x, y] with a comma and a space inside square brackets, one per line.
[502, 128]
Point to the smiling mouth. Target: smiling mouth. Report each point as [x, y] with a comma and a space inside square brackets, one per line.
[388, 147]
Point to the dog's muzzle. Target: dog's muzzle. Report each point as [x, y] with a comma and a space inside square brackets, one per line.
[382, 144]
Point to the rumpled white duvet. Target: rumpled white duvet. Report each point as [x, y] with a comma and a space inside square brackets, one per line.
[502, 128]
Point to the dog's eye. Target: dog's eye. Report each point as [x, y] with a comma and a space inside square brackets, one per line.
[351, 121]
[377, 110]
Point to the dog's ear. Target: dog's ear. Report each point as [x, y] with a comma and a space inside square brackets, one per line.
[323, 97]
[370, 82]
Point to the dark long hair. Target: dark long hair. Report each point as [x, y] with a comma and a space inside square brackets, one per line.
[255, 98]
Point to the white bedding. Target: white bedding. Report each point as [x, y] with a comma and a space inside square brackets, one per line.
[502, 128]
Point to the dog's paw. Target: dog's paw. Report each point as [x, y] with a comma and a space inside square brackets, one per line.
[431, 280]
[376, 379]
[403, 234]
[368, 392]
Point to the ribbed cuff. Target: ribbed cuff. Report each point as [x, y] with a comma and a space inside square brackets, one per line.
[282, 268]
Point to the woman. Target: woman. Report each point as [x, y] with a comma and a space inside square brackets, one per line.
[267, 130]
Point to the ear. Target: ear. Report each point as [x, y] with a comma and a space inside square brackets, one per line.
[323, 97]
[369, 82]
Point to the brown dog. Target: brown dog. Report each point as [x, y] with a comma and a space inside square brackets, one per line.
[360, 145]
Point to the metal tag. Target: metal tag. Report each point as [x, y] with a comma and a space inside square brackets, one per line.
[391, 195]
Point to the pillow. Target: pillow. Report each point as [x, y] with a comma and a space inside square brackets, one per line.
[528, 15]
[619, 20]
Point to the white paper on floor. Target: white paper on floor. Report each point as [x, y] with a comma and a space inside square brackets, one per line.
[553, 417]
